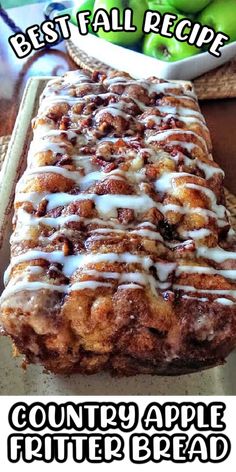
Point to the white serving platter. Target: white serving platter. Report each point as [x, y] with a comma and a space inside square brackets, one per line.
[140, 66]
[13, 379]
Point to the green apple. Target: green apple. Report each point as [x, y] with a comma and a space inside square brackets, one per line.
[162, 8]
[190, 6]
[165, 7]
[81, 5]
[158, 3]
[124, 38]
[221, 16]
[167, 49]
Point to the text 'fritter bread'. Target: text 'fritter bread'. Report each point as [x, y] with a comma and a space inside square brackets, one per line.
[122, 256]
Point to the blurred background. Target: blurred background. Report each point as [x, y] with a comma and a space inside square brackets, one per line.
[14, 3]
[15, 72]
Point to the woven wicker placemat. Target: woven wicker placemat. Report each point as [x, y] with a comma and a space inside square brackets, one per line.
[230, 198]
[219, 83]
[4, 141]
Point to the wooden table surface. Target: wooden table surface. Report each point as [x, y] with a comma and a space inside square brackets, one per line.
[220, 114]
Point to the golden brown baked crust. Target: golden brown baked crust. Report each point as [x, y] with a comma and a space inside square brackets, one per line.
[122, 252]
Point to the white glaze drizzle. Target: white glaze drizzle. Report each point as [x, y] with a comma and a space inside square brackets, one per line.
[162, 135]
[224, 301]
[188, 288]
[188, 269]
[72, 263]
[107, 205]
[195, 234]
[216, 254]
[151, 87]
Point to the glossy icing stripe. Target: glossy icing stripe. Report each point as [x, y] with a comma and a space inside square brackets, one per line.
[68, 90]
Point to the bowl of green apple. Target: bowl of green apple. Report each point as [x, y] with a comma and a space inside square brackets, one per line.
[144, 55]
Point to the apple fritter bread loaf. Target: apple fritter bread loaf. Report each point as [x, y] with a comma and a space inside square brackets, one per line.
[122, 250]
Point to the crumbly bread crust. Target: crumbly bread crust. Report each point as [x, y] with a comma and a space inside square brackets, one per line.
[122, 255]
